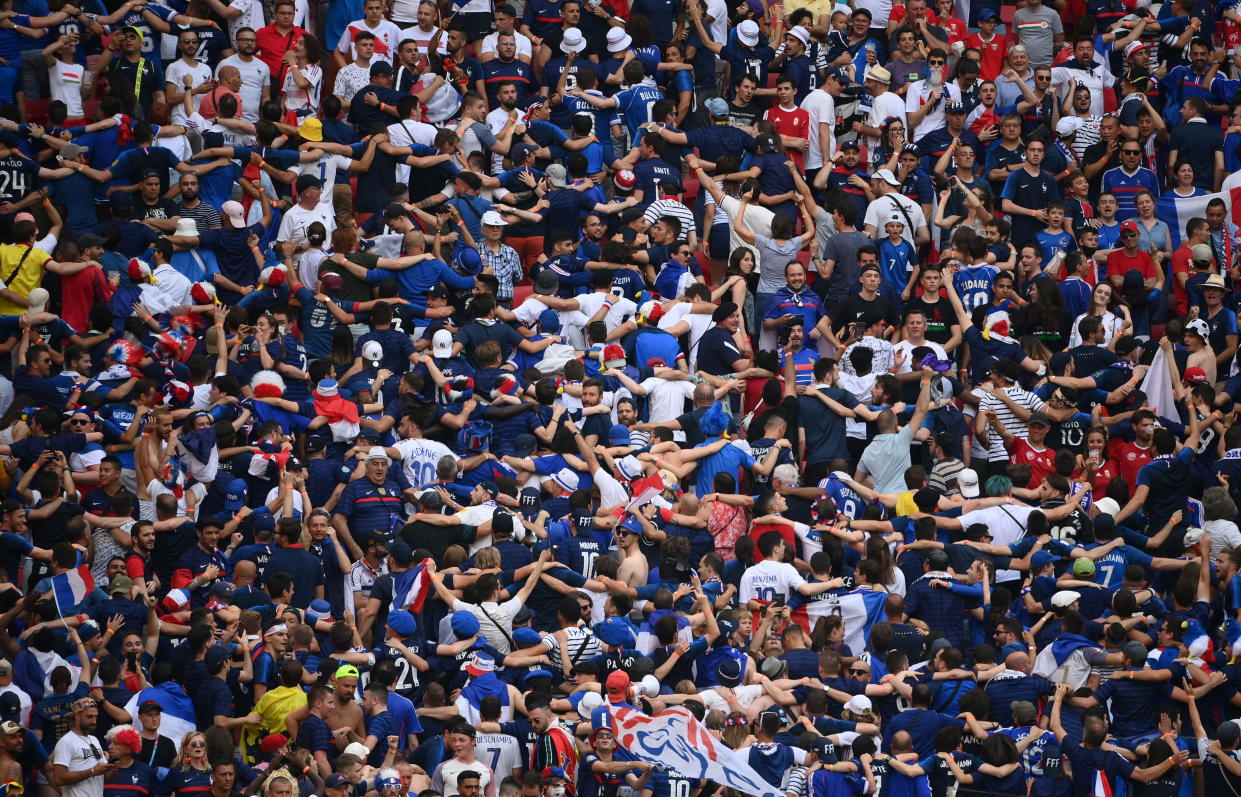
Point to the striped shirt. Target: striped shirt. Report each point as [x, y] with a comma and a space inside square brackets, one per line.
[580, 645]
[507, 267]
[1007, 417]
[675, 209]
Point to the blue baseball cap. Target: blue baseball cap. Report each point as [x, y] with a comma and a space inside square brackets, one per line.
[235, 495]
[614, 631]
[526, 636]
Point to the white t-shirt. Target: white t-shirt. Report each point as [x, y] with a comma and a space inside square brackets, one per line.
[387, 37]
[885, 105]
[251, 17]
[622, 308]
[822, 109]
[254, 76]
[497, 118]
[877, 213]
[420, 458]
[917, 95]
[699, 323]
[297, 219]
[175, 73]
[423, 37]
[349, 79]
[666, 397]
[448, 772]
[714, 701]
[65, 81]
[502, 750]
[907, 347]
[1007, 524]
[300, 99]
[78, 753]
[325, 169]
[525, 47]
[767, 580]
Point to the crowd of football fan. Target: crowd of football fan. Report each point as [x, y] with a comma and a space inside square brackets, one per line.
[393, 392]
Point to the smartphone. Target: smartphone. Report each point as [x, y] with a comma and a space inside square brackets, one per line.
[778, 602]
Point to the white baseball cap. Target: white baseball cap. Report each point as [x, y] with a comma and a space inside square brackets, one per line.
[967, 483]
[493, 219]
[1065, 598]
[441, 344]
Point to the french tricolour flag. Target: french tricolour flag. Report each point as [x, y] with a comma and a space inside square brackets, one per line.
[178, 719]
[410, 589]
[1177, 211]
[1102, 786]
[71, 588]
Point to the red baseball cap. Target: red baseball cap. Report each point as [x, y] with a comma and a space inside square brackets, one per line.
[1195, 375]
[618, 684]
[1128, 226]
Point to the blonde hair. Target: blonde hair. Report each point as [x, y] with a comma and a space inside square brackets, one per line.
[488, 558]
[183, 759]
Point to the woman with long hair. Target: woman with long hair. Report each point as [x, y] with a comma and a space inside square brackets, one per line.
[303, 80]
[1219, 515]
[1095, 463]
[891, 142]
[1045, 316]
[890, 576]
[741, 264]
[341, 358]
[191, 771]
[1112, 312]
[736, 730]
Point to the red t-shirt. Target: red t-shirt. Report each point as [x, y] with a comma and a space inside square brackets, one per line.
[993, 54]
[1129, 458]
[79, 293]
[1042, 462]
[957, 30]
[1182, 259]
[792, 122]
[1119, 262]
[271, 47]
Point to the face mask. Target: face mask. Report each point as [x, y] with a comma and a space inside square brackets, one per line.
[555, 791]
[936, 77]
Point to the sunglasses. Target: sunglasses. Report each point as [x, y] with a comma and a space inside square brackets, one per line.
[936, 63]
[859, 672]
[1128, 235]
[82, 421]
[197, 744]
[1131, 152]
[1042, 77]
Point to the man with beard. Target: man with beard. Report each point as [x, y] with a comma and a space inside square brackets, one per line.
[255, 75]
[506, 67]
[78, 762]
[193, 207]
[12, 739]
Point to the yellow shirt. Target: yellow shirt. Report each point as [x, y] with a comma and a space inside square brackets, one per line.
[815, 7]
[272, 708]
[905, 504]
[21, 271]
